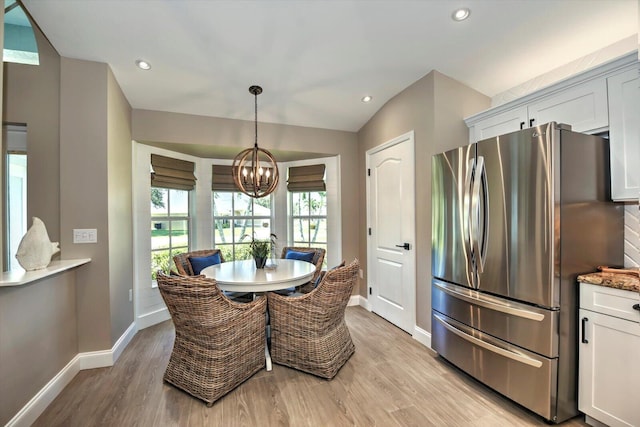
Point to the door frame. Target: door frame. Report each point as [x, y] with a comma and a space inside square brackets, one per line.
[410, 138]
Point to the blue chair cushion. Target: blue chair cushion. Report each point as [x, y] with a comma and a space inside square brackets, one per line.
[198, 263]
[302, 256]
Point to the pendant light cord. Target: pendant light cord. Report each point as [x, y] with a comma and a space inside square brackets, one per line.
[255, 96]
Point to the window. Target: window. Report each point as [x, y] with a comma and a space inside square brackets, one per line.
[308, 216]
[236, 219]
[15, 192]
[170, 219]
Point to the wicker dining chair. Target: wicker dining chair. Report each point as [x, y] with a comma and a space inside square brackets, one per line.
[317, 260]
[218, 343]
[308, 332]
[183, 265]
[185, 268]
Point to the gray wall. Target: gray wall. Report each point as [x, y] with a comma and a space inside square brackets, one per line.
[434, 108]
[79, 176]
[37, 338]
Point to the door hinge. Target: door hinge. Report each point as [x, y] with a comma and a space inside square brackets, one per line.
[370, 291]
[369, 231]
[368, 172]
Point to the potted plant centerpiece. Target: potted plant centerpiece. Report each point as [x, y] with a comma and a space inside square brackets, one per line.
[260, 249]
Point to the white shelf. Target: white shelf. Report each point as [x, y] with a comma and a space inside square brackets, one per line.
[21, 277]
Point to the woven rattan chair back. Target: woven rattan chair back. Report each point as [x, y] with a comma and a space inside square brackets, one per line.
[218, 343]
[308, 332]
[183, 266]
[318, 258]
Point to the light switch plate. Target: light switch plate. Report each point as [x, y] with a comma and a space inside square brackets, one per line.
[85, 235]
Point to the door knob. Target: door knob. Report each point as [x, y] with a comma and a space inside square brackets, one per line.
[405, 246]
[636, 307]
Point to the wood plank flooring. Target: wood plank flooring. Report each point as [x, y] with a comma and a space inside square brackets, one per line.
[391, 380]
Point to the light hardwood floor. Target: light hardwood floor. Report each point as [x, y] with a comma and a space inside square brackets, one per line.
[391, 380]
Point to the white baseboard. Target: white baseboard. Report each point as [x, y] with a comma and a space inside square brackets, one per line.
[38, 403]
[359, 300]
[104, 358]
[422, 336]
[153, 318]
[87, 360]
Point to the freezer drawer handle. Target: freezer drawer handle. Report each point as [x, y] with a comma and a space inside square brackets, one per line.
[538, 317]
[493, 348]
[584, 331]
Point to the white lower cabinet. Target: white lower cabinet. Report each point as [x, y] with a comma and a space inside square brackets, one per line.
[609, 355]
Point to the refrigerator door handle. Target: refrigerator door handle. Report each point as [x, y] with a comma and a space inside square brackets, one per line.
[466, 215]
[475, 213]
[485, 302]
[487, 346]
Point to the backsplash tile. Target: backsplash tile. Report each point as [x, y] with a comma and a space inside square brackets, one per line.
[631, 236]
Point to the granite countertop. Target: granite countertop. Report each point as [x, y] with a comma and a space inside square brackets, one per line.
[627, 282]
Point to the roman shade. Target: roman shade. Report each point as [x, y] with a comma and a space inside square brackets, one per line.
[172, 173]
[306, 178]
[222, 179]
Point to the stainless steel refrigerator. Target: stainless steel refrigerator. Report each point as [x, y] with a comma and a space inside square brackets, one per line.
[515, 219]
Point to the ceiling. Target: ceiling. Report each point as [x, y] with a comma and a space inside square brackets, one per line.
[316, 59]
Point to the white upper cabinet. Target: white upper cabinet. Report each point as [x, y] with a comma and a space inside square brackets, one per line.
[600, 99]
[509, 121]
[624, 134]
[583, 107]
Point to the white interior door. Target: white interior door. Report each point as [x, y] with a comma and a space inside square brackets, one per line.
[391, 221]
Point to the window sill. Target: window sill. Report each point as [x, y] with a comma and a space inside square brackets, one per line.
[21, 277]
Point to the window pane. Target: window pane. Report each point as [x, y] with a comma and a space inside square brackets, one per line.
[237, 218]
[178, 203]
[262, 207]
[242, 205]
[159, 234]
[295, 204]
[301, 230]
[17, 204]
[318, 203]
[242, 230]
[222, 232]
[226, 251]
[318, 230]
[262, 228]
[180, 233]
[159, 202]
[160, 260]
[222, 204]
[304, 204]
[243, 252]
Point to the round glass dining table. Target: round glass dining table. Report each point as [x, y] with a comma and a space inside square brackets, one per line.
[243, 276]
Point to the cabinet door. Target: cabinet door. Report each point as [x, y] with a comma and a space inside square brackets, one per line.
[609, 371]
[583, 107]
[508, 121]
[624, 134]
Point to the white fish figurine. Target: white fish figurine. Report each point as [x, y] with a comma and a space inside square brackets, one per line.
[35, 249]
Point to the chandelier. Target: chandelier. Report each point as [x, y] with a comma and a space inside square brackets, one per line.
[255, 171]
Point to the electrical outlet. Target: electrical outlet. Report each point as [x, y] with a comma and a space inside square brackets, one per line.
[361, 274]
[130, 295]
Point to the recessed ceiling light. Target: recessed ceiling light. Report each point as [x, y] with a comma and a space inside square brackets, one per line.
[460, 14]
[366, 98]
[143, 65]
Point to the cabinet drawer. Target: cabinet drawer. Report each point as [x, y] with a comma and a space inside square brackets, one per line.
[611, 301]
